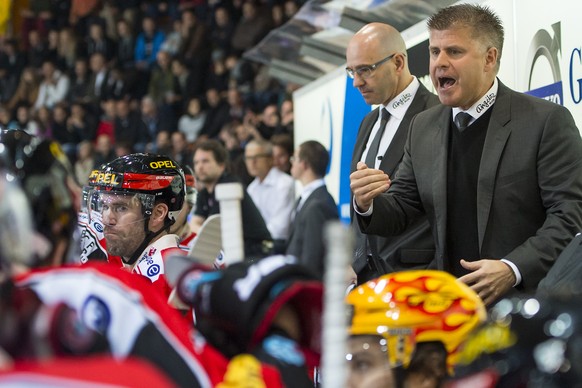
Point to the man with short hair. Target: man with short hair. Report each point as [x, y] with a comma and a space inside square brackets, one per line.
[377, 62]
[498, 173]
[139, 197]
[315, 207]
[272, 191]
[210, 162]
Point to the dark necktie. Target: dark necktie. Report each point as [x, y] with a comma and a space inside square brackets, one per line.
[462, 120]
[373, 151]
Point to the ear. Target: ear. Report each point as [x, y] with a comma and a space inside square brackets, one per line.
[491, 59]
[159, 213]
[400, 62]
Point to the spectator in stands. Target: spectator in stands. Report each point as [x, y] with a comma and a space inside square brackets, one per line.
[24, 119]
[222, 30]
[98, 87]
[173, 40]
[148, 44]
[162, 82]
[150, 120]
[106, 121]
[216, 114]
[210, 168]
[125, 45]
[44, 118]
[287, 118]
[236, 153]
[54, 86]
[27, 89]
[37, 51]
[128, 128]
[250, 29]
[15, 58]
[272, 191]
[218, 77]
[191, 122]
[162, 145]
[6, 121]
[104, 152]
[269, 121]
[80, 81]
[282, 151]
[195, 48]
[67, 49]
[237, 106]
[64, 135]
[98, 42]
[180, 151]
[82, 122]
[85, 162]
[8, 83]
[187, 84]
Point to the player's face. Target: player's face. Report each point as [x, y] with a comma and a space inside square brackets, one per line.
[368, 364]
[123, 224]
[462, 68]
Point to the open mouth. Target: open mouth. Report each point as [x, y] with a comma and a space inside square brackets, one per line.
[446, 82]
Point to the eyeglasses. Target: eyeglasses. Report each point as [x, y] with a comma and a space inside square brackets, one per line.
[366, 71]
[255, 157]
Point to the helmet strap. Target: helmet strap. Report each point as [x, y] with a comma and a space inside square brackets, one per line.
[147, 239]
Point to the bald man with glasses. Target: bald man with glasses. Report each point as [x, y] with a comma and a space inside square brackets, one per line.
[377, 62]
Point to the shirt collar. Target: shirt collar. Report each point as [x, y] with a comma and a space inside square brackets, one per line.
[398, 106]
[310, 188]
[482, 105]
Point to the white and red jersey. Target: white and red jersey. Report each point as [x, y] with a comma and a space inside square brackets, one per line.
[136, 320]
[151, 262]
[92, 238]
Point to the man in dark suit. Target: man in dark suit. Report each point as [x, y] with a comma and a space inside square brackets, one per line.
[503, 190]
[377, 62]
[314, 208]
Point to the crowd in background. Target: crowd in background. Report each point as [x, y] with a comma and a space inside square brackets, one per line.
[106, 78]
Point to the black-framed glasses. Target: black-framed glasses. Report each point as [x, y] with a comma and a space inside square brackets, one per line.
[366, 71]
[255, 157]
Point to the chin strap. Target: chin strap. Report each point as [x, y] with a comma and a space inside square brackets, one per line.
[147, 240]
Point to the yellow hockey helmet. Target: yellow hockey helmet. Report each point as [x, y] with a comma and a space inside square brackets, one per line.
[410, 307]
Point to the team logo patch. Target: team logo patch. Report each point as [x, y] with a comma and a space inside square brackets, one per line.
[96, 314]
[153, 270]
[98, 227]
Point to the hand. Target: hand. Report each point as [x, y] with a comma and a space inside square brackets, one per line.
[490, 278]
[366, 184]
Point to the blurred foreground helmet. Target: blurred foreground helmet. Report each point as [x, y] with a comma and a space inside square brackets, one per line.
[526, 342]
[410, 307]
[15, 224]
[236, 307]
[45, 174]
[153, 178]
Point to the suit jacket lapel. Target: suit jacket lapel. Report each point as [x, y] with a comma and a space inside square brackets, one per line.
[440, 151]
[497, 135]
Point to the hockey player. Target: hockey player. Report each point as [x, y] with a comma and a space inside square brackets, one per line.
[139, 197]
[407, 327]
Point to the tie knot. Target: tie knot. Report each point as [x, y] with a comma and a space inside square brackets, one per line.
[385, 115]
[462, 120]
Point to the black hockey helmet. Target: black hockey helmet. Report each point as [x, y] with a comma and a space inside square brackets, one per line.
[158, 178]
